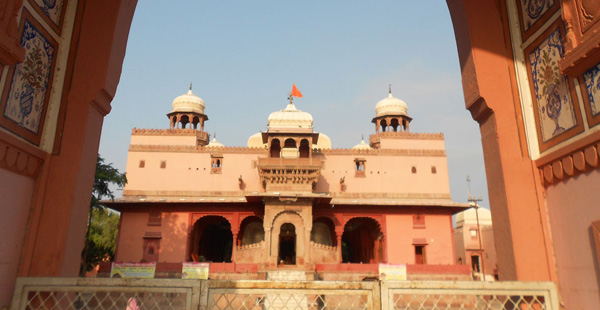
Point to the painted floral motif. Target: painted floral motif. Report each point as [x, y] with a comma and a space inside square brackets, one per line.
[552, 93]
[591, 79]
[27, 94]
[52, 8]
[532, 10]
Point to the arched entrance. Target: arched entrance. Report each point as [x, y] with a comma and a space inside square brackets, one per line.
[362, 241]
[287, 244]
[212, 240]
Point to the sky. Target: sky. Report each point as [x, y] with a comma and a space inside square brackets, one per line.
[243, 57]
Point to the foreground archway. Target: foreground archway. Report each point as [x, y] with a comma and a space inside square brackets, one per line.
[212, 240]
[361, 241]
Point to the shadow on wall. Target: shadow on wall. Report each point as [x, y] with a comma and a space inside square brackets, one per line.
[174, 241]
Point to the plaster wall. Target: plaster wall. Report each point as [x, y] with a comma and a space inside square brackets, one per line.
[572, 206]
[412, 144]
[439, 249]
[16, 192]
[189, 140]
[386, 174]
[190, 171]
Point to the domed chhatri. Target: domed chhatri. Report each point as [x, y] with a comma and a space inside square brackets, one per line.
[362, 146]
[188, 102]
[290, 119]
[391, 106]
[215, 143]
[391, 115]
[188, 109]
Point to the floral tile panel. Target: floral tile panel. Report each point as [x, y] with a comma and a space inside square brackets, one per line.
[26, 99]
[52, 8]
[553, 99]
[591, 79]
[533, 10]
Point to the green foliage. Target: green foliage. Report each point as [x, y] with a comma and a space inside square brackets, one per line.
[101, 236]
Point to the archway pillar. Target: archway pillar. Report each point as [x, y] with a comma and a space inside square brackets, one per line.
[520, 226]
[293, 210]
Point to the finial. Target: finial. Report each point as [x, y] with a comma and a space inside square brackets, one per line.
[190, 85]
[390, 89]
[362, 137]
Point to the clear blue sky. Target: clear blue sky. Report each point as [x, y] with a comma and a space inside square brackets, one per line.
[243, 56]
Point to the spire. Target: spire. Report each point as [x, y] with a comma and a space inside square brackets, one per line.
[389, 90]
[190, 91]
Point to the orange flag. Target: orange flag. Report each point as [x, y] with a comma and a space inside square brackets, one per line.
[296, 92]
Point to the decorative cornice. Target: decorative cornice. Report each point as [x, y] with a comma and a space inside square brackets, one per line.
[19, 157]
[323, 246]
[165, 132]
[409, 135]
[581, 160]
[196, 149]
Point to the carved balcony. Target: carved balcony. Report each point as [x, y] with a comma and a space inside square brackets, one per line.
[289, 174]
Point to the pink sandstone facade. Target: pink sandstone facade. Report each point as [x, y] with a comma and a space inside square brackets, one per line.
[542, 167]
[288, 201]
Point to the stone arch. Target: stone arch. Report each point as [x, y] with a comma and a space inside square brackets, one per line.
[184, 120]
[362, 241]
[304, 148]
[251, 231]
[289, 142]
[323, 231]
[275, 150]
[212, 239]
[195, 122]
[395, 125]
[384, 125]
[301, 241]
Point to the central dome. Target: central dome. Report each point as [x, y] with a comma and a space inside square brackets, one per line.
[290, 118]
[188, 103]
[391, 106]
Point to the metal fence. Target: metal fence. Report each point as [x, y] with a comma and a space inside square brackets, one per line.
[138, 294]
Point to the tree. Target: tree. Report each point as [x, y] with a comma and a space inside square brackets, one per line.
[101, 235]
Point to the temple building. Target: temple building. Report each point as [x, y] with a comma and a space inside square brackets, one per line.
[288, 200]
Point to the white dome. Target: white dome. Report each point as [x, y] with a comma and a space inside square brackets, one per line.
[324, 142]
[215, 143]
[391, 106]
[256, 141]
[470, 217]
[290, 118]
[362, 146]
[188, 103]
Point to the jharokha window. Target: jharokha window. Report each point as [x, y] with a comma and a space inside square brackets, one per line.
[216, 163]
[359, 167]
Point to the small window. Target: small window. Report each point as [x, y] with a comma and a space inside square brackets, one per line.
[142, 163]
[433, 170]
[418, 221]
[216, 164]
[414, 169]
[359, 167]
[163, 164]
[474, 233]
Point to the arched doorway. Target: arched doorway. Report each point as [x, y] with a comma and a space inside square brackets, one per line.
[275, 148]
[212, 240]
[362, 241]
[287, 244]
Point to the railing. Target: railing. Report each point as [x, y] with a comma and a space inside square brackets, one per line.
[290, 161]
[122, 294]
